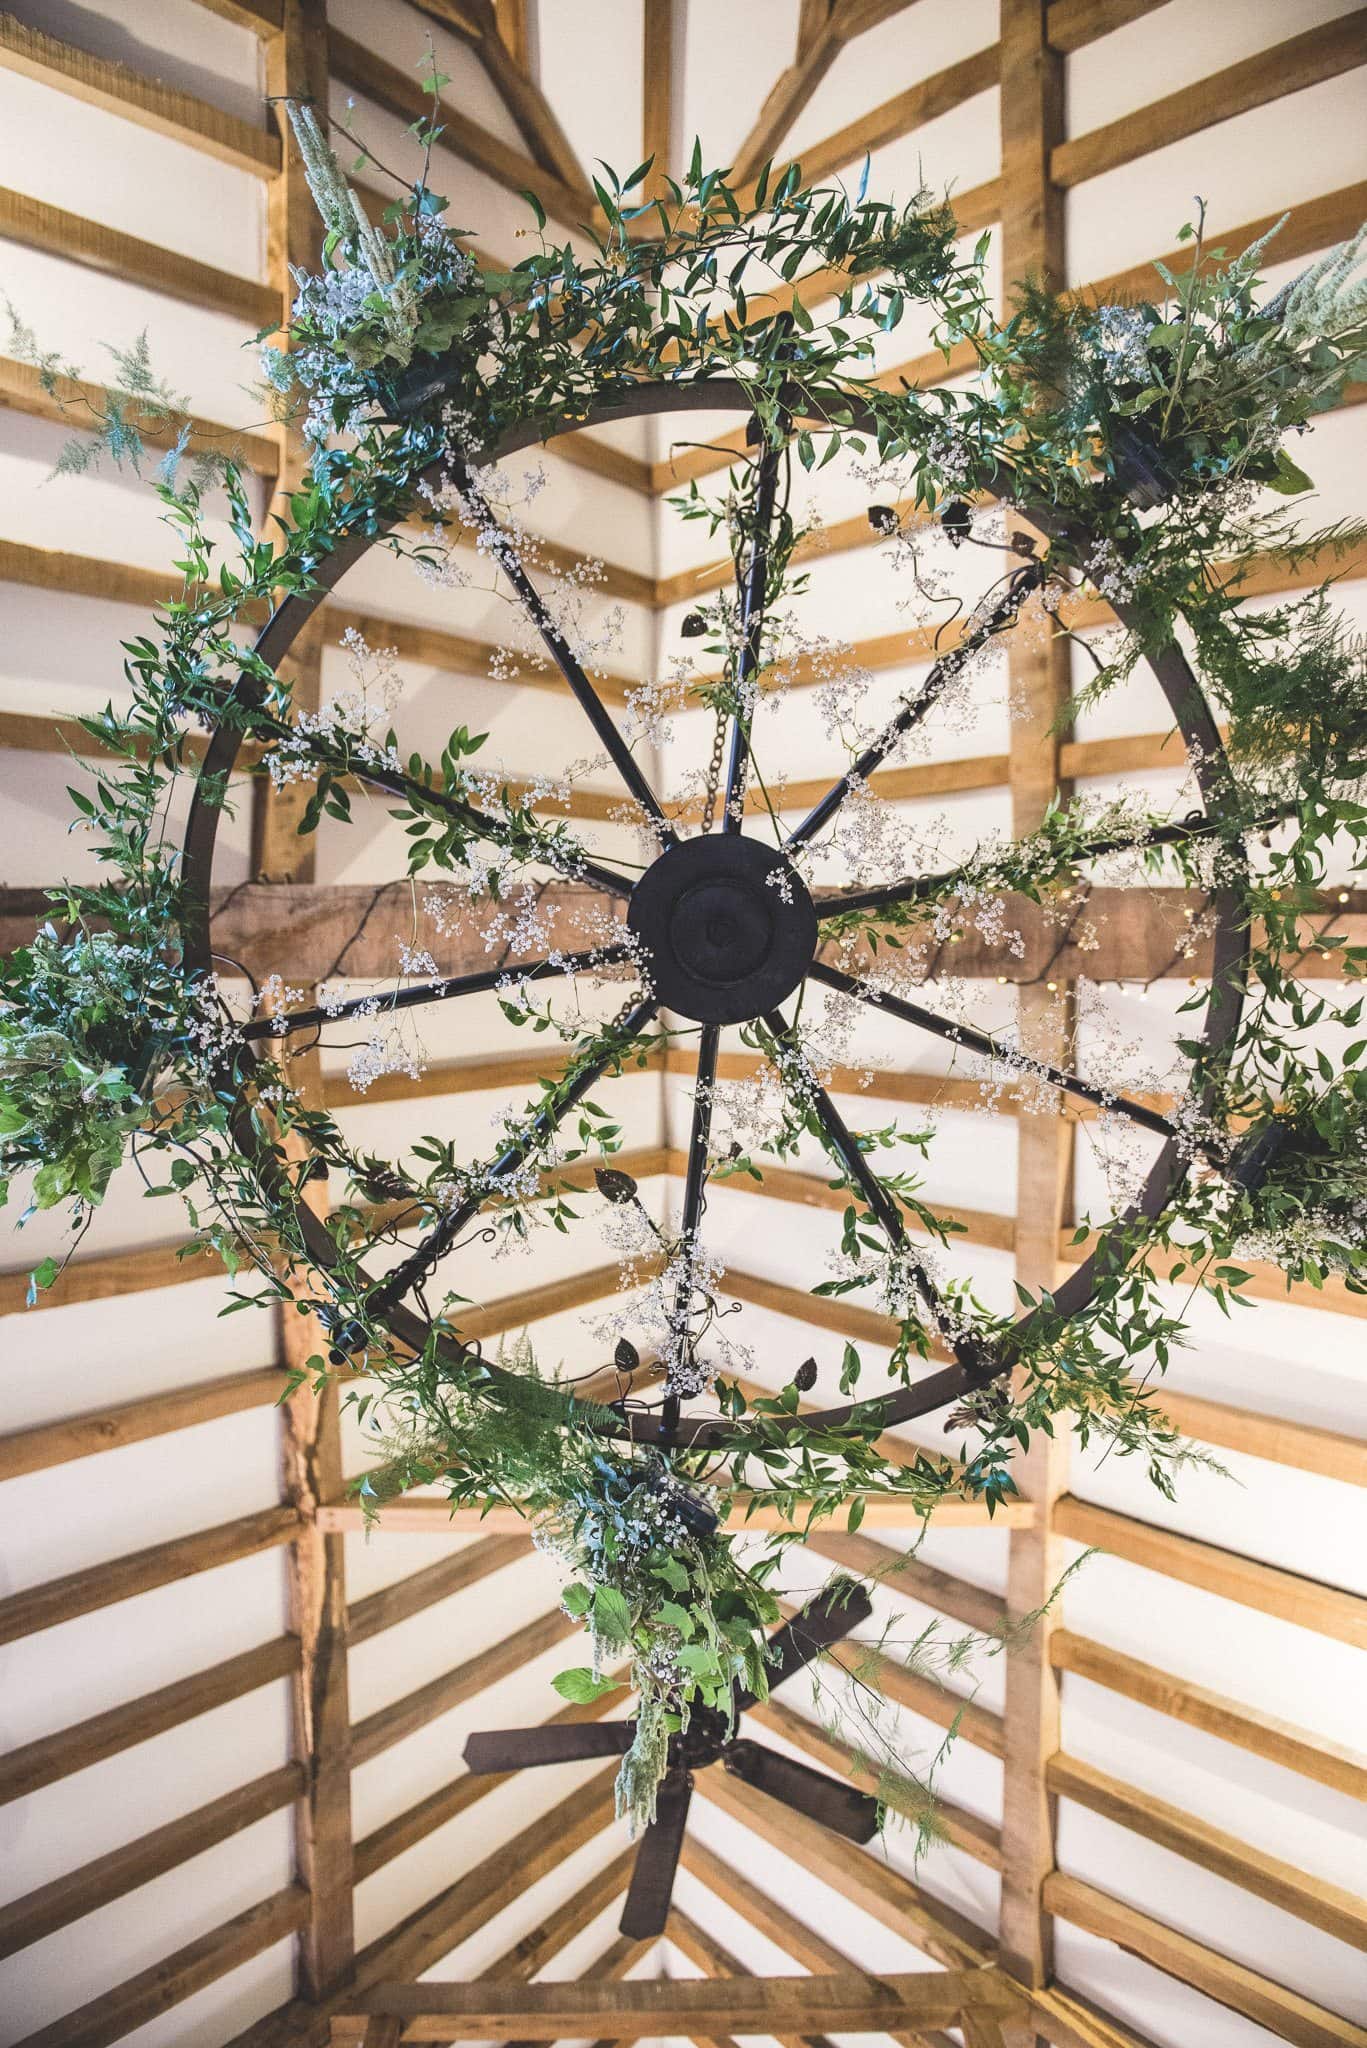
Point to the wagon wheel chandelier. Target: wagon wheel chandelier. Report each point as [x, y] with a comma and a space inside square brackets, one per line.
[721, 929]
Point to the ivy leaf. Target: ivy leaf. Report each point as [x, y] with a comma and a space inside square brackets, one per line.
[580, 1687]
[1288, 477]
[611, 1615]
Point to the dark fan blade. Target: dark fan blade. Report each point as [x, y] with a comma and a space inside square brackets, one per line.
[842, 1808]
[822, 1622]
[652, 1881]
[514, 1749]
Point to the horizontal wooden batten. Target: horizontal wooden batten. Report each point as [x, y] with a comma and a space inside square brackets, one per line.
[145, 102]
[415, 1823]
[93, 246]
[401, 93]
[1289, 1596]
[1309, 226]
[133, 1422]
[1330, 1907]
[442, 1923]
[50, 1757]
[406, 1597]
[431, 1517]
[142, 1571]
[810, 1191]
[975, 1606]
[1286, 2014]
[664, 2006]
[93, 1885]
[926, 100]
[75, 399]
[1302, 1750]
[407, 1715]
[176, 1977]
[1309, 59]
[1297, 1444]
[1072, 24]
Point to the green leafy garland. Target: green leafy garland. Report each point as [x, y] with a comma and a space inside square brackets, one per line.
[1146, 429]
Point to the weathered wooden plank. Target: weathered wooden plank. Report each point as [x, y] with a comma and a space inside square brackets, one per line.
[414, 1710]
[1290, 1596]
[133, 1422]
[422, 1516]
[166, 1984]
[1286, 2015]
[663, 2006]
[1327, 1452]
[112, 1876]
[1330, 1907]
[21, 389]
[36, 225]
[1075, 23]
[1296, 1749]
[75, 1748]
[909, 109]
[407, 1597]
[1327, 50]
[146, 102]
[142, 1571]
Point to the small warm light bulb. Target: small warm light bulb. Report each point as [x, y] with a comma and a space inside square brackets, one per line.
[1343, 895]
[1052, 987]
[1001, 981]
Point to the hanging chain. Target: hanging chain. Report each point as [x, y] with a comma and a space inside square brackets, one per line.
[709, 809]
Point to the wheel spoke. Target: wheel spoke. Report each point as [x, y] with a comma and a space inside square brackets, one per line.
[913, 710]
[417, 1268]
[695, 1187]
[932, 888]
[982, 1043]
[505, 554]
[435, 991]
[840, 1142]
[752, 591]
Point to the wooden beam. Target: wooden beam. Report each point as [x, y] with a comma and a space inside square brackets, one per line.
[176, 1977]
[442, 1923]
[423, 1516]
[924, 1696]
[660, 23]
[637, 2009]
[1330, 1907]
[787, 98]
[1075, 23]
[963, 1830]
[142, 1571]
[21, 389]
[1327, 1610]
[1319, 53]
[811, 1191]
[1299, 1445]
[75, 1748]
[520, 93]
[401, 93]
[1296, 1749]
[92, 1885]
[907, 110]
[414, 1710]
[1286, 2015]
[422, 1589]
[36, 225]
[869, 1883]
[1312, 225]
[146, 102]
[133, 1422]
[974, 1606]
[1040, 682]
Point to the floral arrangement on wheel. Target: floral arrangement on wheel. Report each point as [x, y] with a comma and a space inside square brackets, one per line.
[1113, 456]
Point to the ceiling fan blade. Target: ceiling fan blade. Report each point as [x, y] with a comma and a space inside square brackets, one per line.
[652, 1881]
[823, 1621]
[515, 1749]
[842, 1808]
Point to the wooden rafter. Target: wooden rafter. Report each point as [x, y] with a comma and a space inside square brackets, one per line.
[661, 21]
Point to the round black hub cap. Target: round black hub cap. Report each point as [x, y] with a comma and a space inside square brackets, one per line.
[729, 927]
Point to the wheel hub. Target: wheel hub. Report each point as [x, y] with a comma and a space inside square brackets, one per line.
[729, 927]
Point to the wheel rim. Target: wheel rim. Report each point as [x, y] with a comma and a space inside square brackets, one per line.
[671, 913]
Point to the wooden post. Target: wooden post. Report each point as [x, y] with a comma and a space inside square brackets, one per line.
[658, 91]
[1032, 244]
[311, 1455]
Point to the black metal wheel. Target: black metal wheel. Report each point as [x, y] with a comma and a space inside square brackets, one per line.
[726, 945]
